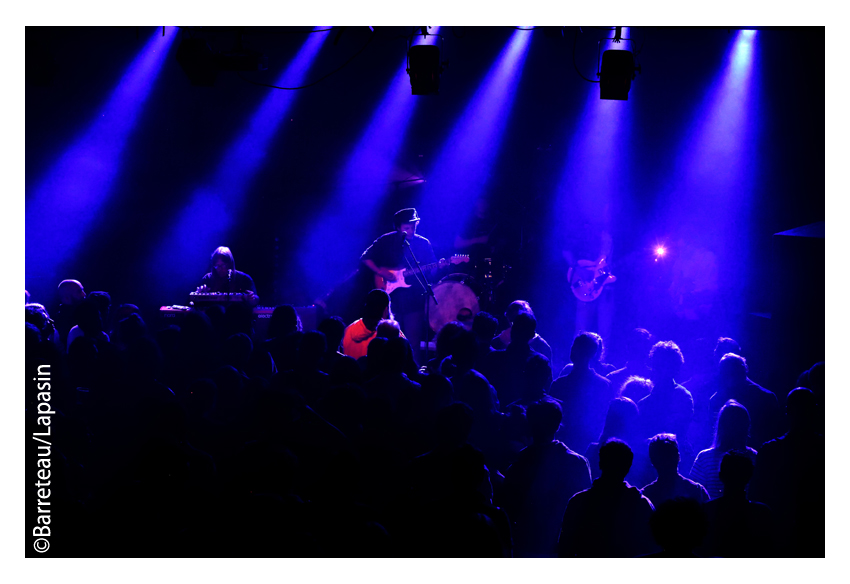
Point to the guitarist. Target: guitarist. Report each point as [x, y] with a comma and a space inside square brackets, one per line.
[587, 246]
[391, 252]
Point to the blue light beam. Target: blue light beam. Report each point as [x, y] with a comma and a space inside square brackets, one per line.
[206, 221]
[75, 189]
[461, 172]
[717, 162]
[593, 184]
[362, 185]
[593, 172]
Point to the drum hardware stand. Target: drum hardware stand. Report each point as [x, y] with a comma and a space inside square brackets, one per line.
[430, 292]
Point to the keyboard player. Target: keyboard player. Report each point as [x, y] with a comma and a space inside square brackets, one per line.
[224, 277]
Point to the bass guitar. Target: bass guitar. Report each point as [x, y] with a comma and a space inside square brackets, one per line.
[588, 279]
[402, 275]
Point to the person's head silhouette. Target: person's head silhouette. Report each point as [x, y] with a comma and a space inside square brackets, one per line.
[725, 345]
[638, 345]
[516, 307]
[485, 326]
[524, 328]
[801, 409]
[584, 349]
[544, 419]
[377, 306]
[537, 375]
[615, 460]
[732, 370]
[621, 419]
[733, 427]
[664, 453]
[736, 470]
[666, 361]
[333, 328]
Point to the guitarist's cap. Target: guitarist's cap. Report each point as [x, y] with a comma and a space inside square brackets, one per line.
[405, 216]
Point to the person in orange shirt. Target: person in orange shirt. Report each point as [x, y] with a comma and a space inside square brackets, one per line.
[360, 333]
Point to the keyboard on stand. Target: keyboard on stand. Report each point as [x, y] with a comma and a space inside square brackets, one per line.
[215, 297]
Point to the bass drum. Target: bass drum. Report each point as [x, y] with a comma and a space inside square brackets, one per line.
[457, 297]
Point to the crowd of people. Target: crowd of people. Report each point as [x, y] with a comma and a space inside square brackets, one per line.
[202, 439]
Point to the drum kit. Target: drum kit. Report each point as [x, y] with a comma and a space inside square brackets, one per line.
[460, 296]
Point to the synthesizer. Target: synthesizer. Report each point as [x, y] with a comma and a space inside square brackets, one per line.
[216, 297]
[259, 311]
[308, 315]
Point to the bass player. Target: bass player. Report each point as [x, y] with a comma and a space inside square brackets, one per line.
[587, 251]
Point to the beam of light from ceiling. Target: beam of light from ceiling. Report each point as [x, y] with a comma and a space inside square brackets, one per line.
[362, 185]
[704, 211]
[595, 178]
[593, 174]
[215, 207]
[64, 206]
[595, 171]
[709, 192]
[461, 171]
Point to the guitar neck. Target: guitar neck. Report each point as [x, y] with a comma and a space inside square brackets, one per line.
[410, 271]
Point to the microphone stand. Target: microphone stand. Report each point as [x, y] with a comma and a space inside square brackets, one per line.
[229, 287]
[429, 292]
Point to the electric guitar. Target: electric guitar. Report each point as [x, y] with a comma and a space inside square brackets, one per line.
[588, 279]
[401, 275]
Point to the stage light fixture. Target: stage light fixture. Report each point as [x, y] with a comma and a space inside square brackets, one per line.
[617, 72]
[424, 69]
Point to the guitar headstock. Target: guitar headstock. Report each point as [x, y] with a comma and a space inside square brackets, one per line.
[459, 259]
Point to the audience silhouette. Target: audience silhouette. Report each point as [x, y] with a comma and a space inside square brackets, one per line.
[540, 483]
[620, 422]
[335, 443]
[669, 407]
[359, 334]
[585, 395]
[664, 456]
[733, 383]
[790, 478]
[738, 528]
[733, 425]
[611, 518]
[537, 343]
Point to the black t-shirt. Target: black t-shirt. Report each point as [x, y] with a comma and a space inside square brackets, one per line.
[239, 282]
[390, 251]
